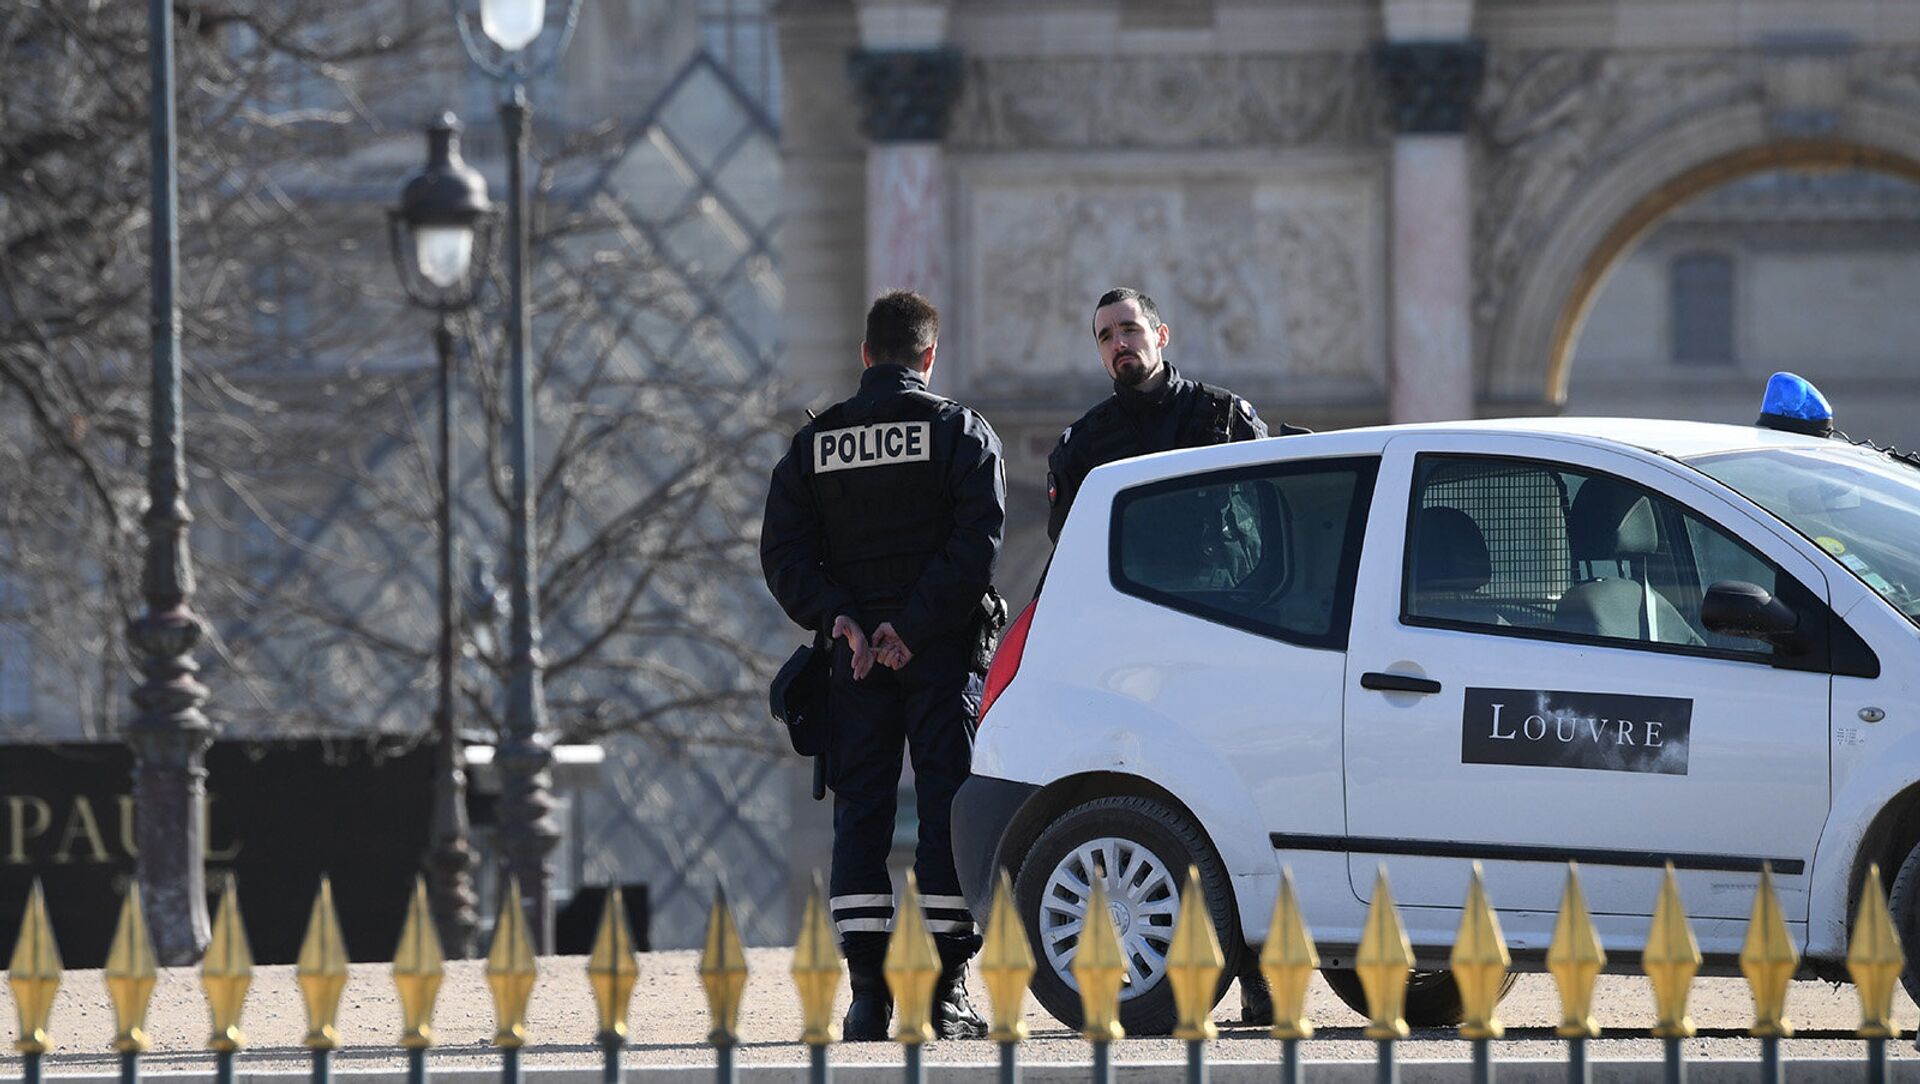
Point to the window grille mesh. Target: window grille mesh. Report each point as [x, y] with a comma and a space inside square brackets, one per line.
[1521, 510]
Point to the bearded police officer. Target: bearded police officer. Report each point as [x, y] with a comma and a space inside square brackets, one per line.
[882, 528]
[1152, 409]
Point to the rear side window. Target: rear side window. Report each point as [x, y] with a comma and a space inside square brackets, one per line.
[1270, 549]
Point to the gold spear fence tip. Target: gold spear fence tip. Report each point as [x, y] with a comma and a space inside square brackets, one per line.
[612, 969]
[1768, 959]
[1099, 968]
[131, 971]
[723, 971]
[1384, 961]
[1480, 962]
[1006, 964]
[1670, 960]
[34, 975]
[816, 970]
[322, 970]
[1289, 961]
[226, 972]
[1194, 961]
[1875, 960]
[1575, 958]
[912, 966]
[417, 969]
[510, 970]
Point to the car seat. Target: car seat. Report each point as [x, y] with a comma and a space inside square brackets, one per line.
[1450, 568]
[1612, 533]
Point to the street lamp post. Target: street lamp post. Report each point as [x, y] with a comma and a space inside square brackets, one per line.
[443, 218]
[168, 734]
[525, 758]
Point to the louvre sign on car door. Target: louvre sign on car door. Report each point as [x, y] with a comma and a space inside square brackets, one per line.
[1609, 732]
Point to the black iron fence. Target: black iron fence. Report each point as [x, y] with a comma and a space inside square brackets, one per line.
[1479, 960]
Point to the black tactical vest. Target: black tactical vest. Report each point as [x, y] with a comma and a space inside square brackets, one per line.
[1204, 417]
[879, 474]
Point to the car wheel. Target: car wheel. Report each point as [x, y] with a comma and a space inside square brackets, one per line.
[1144, 847]
[1904, 902]
[1433, 998]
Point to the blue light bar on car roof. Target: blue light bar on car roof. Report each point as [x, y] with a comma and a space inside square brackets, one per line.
[1792, 403]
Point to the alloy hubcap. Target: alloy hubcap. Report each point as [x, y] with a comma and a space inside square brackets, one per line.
[1143, 904]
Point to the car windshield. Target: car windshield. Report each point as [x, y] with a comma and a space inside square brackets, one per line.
[1860, 505]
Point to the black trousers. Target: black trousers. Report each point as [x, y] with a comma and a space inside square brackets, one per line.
[928, 709]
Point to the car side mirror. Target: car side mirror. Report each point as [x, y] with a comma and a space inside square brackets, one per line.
[1738, 608]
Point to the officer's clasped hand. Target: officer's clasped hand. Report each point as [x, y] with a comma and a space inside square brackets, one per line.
[847, 628]
[888, 648]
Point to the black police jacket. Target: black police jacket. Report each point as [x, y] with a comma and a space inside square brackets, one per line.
[1181, 413]
[888, 506]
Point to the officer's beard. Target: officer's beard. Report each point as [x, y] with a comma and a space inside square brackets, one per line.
[1130, 370]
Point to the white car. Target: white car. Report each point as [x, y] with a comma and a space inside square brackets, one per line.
[1524, 642]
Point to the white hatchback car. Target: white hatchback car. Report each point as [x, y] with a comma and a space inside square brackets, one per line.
[1514, 642]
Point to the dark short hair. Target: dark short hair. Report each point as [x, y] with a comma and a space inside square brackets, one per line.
[900, 326]
[1127, 293]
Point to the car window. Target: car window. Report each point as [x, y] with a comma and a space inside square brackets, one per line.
[1490, 542]
[1861, 505]
[1520, 545]
[1718, 556]
[1270, 549]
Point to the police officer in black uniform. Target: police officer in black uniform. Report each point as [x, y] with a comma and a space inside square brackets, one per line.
[1152, 409]
[882, 529]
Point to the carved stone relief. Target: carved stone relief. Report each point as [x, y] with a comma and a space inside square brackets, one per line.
[1432, 84]
[1551, 120]
[1169, 101]
[1888, 75]
[1261, 276]
[906, 95]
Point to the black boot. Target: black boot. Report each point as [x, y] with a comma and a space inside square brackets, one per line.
[867, 1016]
[1256, 1001]
[954, 1016]
[872, 1007]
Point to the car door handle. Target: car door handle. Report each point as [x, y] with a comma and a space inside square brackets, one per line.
[1398, 683]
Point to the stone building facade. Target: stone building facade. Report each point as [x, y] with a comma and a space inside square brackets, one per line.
[1353, 211]
[1814, 273]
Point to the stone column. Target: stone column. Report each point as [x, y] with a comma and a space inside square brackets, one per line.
[823, 206]
[1433, 73]
[906, 81]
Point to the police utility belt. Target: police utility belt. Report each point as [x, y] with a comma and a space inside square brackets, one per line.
[798, 695]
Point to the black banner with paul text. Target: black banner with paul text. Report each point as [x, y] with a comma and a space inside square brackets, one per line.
[279, 814]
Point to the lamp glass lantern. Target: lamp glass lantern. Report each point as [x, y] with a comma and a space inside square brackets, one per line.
[444, 254]
[441, 206]
[512, 24]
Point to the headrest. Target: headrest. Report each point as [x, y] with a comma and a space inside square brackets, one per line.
[1449, 552]
[1609, 521]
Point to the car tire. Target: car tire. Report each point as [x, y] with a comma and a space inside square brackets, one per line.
[1904, 902]
[1433, 998]
[1151, 844]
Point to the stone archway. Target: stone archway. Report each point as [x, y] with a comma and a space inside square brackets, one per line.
[1621, 238]
[1583, 153]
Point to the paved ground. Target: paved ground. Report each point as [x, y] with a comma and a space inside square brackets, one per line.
[669, 1022]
